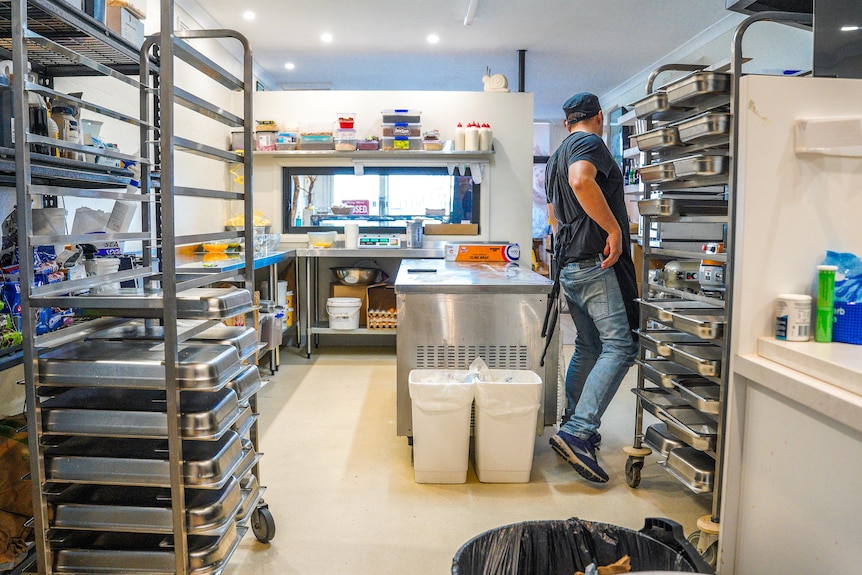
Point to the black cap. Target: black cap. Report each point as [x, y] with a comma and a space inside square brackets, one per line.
[581, 107]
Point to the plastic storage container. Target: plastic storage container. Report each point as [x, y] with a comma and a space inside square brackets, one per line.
[565, 546]
[402, 143]
[401, 115]
[316, 142]
[505, 432]
[441, 402]
[345, 140]
[401, 129]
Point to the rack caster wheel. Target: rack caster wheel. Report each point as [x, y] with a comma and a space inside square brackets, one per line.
[635, 463]
[709, 552]
[262, 524]
[633, 471]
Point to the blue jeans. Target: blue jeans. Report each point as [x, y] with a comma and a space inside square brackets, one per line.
[604, 347]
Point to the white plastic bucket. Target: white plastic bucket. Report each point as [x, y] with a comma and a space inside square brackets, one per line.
[343, 312]
[507, 409]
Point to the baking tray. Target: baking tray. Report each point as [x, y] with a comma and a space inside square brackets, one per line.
[249, 458]
[687, 423]
[701, 166]
[699, 393]
[135, 364]
[244, 422]
[697, 88]
[89, 553]
[251, 494]
[213, 303]
[663, 310]
[710, 125]
[244, 339]
[659, 438]
[704, 323]
[138, 413]
[206, 464]
[657, 107]
[694, 469]
[663, 371]
[658, 398]
[145, 509]
[667, 207]
[659, 139]
[657, 340]
[657, 173]
[704, 359]
[246, 384]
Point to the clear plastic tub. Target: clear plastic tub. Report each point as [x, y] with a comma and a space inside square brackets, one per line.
[401, 129]
[402, 143]
[401, 115]
[345, 140]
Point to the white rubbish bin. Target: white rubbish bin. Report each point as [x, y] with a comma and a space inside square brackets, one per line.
[505, 427]
[441, 401]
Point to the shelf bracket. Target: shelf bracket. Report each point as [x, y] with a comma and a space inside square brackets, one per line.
[358, 168]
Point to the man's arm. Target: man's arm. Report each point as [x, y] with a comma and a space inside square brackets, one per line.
[582, 179]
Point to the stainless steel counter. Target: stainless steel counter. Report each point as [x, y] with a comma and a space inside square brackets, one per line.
[453, 312]
[429, 276]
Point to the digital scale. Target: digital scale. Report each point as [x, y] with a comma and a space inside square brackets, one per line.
[379, 240]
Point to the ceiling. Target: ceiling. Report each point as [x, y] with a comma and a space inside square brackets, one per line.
[571, 45]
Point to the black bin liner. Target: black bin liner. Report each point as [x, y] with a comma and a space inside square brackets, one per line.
[561, 547]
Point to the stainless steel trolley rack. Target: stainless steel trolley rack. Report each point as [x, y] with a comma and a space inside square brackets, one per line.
[687, 139]
[142, 421]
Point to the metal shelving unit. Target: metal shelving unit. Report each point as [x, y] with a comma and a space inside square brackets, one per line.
[683, 137]
[142, 421]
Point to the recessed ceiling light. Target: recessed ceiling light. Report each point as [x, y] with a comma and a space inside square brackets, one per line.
[326, 37]
[433, 38]
[289, 66]
[849, 28]
[248, 15]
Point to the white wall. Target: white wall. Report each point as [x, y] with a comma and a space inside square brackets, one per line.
[506, 191]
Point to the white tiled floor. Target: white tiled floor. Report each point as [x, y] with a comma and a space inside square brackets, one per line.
[340, 482]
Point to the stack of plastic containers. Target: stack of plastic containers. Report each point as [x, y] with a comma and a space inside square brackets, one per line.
[402, 129]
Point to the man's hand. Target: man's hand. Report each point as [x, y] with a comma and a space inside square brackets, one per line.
[613, 249]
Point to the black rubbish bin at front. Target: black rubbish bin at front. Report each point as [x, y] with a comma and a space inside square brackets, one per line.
[562, 547]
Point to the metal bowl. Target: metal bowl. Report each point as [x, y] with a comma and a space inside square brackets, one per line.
[358, 276]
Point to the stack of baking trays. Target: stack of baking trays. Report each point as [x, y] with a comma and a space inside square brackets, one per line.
[684, 137]
[105, 430]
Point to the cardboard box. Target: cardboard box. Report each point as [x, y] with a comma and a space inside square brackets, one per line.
[482, 252]
[451, 229]
[381, 311]
[126, 24]
[340, 290]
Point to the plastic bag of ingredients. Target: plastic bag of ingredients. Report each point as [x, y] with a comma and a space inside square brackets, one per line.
[239, 220]
[847, 326]
[562, 547]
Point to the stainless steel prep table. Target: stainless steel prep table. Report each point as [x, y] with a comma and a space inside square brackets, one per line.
[311, 319]
[449, 313]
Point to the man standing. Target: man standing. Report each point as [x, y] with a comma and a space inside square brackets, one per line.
[597, 276]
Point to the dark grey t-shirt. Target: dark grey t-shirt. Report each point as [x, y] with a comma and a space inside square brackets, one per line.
[578, 236]
[587, 238]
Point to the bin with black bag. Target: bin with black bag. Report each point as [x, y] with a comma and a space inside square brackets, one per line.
[570, 546]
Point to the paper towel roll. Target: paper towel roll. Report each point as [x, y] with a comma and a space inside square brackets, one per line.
[351, 235]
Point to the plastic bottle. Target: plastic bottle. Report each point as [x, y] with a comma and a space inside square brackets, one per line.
[459, 137]
[38, 122]
[471, 137]
[68, 129]
[825, 303]
[485, 138]
[53, 132]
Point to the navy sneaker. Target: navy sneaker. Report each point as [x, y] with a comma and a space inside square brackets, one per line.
[581, 454]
